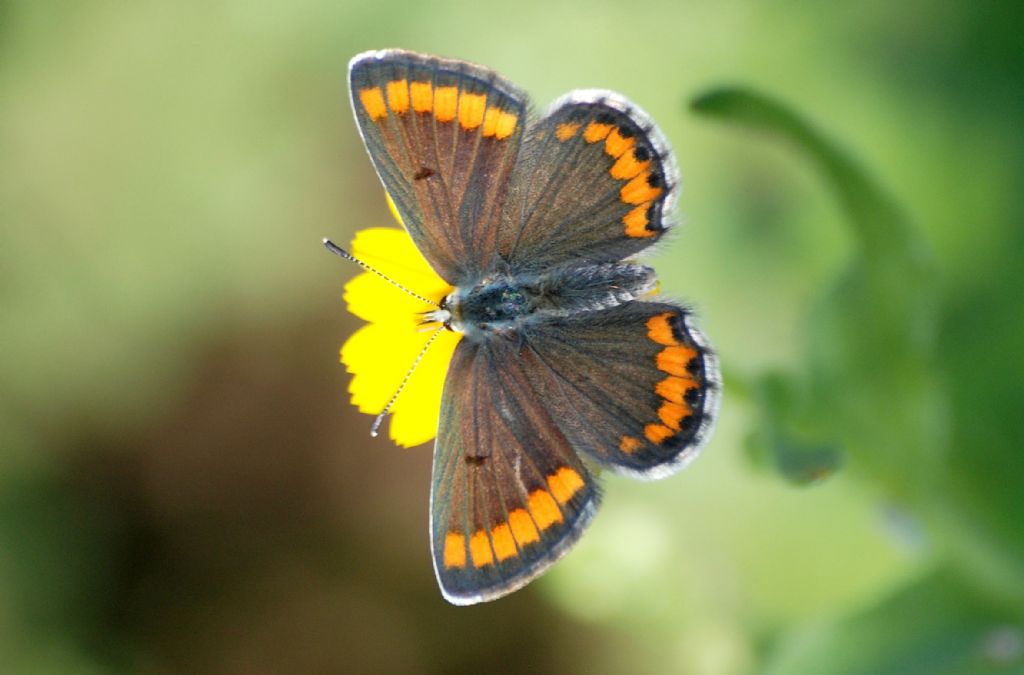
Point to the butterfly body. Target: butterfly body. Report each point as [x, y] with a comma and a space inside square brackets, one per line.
[503, 303]
[566, 360]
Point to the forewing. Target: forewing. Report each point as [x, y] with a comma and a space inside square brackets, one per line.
[636, 385]
[596, 181]
[443, 136]
[509, 495]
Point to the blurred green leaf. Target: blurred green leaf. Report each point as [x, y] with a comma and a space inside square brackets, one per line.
[868, 385]
[878, 222]
[873, 383]
[939, 625]
[983, 484]
[795, 453]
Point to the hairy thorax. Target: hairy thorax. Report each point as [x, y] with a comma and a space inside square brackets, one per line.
[502, 302]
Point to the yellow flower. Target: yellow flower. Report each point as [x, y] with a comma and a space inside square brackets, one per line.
[380, 353]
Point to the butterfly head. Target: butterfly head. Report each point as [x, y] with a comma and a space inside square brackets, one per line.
[443, 315]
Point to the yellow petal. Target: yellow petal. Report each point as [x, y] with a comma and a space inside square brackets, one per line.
[379, 357]
[417, 411]
[392, 251]
[380, 354]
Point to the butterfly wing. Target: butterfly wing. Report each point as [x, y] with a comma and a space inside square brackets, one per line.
[509, 495]
[635, 387]
[443, 136]
[595, 181]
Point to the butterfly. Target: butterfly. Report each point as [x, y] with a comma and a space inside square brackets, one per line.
[566, 362]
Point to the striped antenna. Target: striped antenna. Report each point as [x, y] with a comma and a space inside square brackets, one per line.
[342, 253]
[384, 413]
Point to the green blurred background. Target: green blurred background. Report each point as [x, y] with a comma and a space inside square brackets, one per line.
[185, 488]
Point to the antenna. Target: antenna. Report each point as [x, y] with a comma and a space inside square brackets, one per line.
[384, 413]
[340, 252]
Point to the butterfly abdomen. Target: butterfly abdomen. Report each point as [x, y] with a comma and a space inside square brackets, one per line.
[505, 302]
[588, 288]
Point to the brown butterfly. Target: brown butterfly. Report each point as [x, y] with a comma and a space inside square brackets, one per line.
[564, 360]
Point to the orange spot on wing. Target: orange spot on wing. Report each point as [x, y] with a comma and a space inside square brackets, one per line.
[471, 110]
[629, 445]
[565, 483]
[673, 388]
[499, 123]
[627, 166]
[373, 102]
[595, 132]
[616, 143]
[673, 360]
[522, 526]
[544, 509]
[638, 190]
[454, 550]
[657, 433]
[671, 414]
[480, 549]
[398, 96]
[659, 329]
[422, 94]
[491, 121]
[504, 543]
[566, 130]
[636, 222]
[446, 102]
[506, 125]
